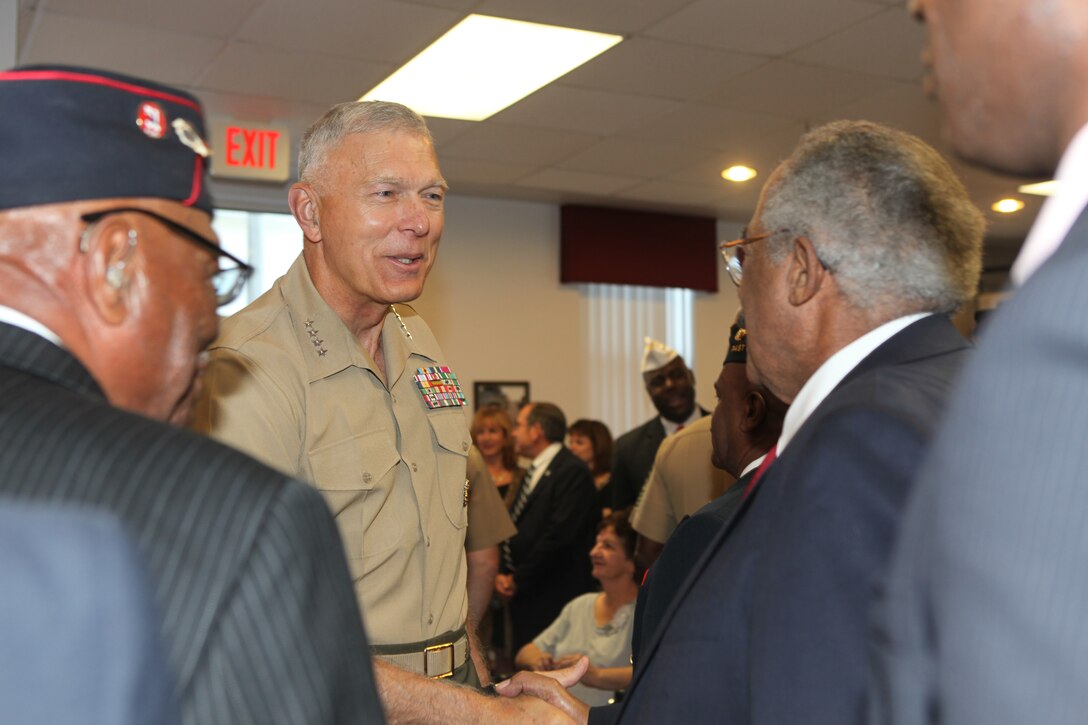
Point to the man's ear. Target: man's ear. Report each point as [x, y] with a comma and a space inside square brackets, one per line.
[111, 261]
[303, 201]
[806, 272]
[755, 410]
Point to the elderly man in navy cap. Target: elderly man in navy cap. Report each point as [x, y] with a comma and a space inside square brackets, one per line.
[110, 276]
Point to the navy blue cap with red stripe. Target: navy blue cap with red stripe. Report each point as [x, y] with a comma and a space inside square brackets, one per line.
[74, 134]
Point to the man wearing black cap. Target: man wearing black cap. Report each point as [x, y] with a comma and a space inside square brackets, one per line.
[744, 425]
[110, 276]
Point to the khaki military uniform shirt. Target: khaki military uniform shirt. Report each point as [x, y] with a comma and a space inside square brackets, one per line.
[682, 481]
[289, 384]
[489, 522]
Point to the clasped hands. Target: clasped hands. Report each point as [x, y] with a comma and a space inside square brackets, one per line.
[551, 685]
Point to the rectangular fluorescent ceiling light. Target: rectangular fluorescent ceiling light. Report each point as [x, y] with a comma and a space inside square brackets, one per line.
[1043, 188]
[484, 64]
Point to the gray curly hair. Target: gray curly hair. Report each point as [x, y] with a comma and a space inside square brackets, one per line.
[886, 214]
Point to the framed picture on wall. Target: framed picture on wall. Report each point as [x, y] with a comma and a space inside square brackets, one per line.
[508, 395]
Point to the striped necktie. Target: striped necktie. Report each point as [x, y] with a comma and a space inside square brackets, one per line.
[515, 514]
[523, 495]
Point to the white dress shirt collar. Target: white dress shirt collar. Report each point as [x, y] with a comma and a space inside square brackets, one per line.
[752, 466]
[671, 427]
[832, 372]
[18, 319]
[541, 463]
[1059, 212]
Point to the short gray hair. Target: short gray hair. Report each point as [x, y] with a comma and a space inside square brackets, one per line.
[346, 119]
[886, 214]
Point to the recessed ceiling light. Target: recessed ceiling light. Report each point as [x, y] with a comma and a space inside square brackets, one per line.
[739, 173]
[1008, 206]
[1043, 188]
[484, 64]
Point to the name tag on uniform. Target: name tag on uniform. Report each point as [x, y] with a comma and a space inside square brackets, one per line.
[439, 387]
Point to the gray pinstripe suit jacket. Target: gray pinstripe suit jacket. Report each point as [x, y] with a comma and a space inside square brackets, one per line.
[260, 621]
[985, 617]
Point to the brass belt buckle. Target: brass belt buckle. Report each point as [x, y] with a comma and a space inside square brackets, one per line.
[427, 660]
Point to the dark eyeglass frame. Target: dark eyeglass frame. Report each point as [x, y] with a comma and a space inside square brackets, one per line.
[733, 253]
[243, 270]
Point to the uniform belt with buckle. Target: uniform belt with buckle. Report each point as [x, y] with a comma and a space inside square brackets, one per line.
[435, 658]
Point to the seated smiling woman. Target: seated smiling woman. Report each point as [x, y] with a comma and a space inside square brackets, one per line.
[598, 624]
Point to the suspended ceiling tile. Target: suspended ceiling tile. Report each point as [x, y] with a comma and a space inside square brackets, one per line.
[461, 172]
[795, 90]
[888, 45]
[587, 111]
[375, 30]
[167, 56]
[765, 27]
[631, 157]
[211, 18]
[491, 141]
[663, 69]
[707, 126]
[606, 16]
[307, 77]
[902, 105]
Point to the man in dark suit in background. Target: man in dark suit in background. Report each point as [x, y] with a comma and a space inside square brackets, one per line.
[862, 243]
[984, 618]
[671, 386]
[547, 563]
[110, 277]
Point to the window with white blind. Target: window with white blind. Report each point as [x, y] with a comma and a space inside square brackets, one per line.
[618, 318]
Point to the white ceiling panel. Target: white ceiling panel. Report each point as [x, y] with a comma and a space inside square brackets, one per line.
[475, 171]
[795, 90]
[164, 55]
[212, 18]
[587, 111]
[902, 105]
[517, 144]
[887, 45]
[765, 27]
[629, 157]
[709, 126]
[663, 69]
[377, 30]
[604, 16]
[307, 77]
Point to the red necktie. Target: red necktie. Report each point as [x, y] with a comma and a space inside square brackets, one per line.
[767, 461]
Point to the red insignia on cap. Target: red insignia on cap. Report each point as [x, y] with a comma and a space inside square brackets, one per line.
[151, 119]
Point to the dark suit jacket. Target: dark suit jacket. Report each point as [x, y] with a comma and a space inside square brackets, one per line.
[985, 615]
[681, 551]
[770, 626]
[260, 620]
[80, 636]
[551, 549]
[632, 460]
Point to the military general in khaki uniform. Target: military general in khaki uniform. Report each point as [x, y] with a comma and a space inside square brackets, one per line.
[327, 376]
